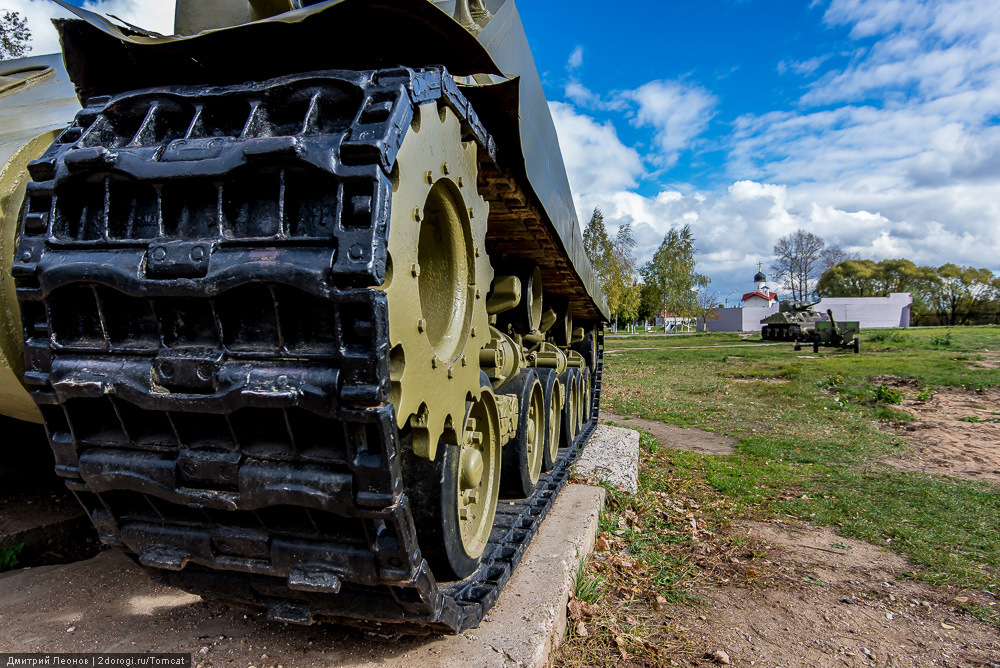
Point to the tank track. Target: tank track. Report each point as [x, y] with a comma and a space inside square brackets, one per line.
[194, 272]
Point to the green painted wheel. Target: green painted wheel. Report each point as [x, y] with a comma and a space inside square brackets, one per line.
[569, 381]
[522, 456]
[454, 497]
[552, 390]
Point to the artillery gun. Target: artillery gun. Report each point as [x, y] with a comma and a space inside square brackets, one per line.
[833, 334]
[298, 293]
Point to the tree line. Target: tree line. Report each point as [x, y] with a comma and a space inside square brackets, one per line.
[668, 284]
[949, 294]
[14, 35]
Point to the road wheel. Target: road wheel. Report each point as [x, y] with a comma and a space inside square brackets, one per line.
[522, 456]
[454, 497]
[570, 380]
[553, 392]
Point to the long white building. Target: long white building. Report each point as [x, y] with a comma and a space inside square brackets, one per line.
[870, 312]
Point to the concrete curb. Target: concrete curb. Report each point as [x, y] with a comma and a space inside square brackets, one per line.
[611, 456]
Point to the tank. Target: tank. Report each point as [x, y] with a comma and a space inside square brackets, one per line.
[299, 293]
[794, 321]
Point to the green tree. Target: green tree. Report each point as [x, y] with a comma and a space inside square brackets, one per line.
[625, 276]
[614, 266]
[866, 278]
[956, 295]
[597, 245]
[962, 293]
[670, 277]
[14, 35]
[853, 278]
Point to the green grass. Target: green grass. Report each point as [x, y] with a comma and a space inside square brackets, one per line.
[808, 425]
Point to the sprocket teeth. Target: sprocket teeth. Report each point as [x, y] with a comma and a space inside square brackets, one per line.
[438, 231]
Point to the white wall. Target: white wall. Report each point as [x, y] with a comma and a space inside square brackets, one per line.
[735, 319]
[871, 312]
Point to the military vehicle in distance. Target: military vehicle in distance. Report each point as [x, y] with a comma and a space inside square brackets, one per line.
[801, 323]
[833, 334]
[298, 293]
[794, 321]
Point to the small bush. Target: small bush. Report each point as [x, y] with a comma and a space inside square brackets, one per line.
[925, 394]
[888, 395]
[942, 341]
[887, 336]
[834, 382]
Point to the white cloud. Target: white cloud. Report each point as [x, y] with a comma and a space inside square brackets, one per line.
[899, 151]
[157, 15]
[575, 58]
[596, 160]
[678, 112]
[803, 67]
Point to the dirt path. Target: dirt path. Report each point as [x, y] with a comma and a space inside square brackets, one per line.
[720, 345]
[678, 438]
[818, 599]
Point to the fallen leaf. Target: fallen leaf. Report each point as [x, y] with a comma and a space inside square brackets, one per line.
[575, 610]
[946, 626]
[601, 544]
[961, 599]
[660, 602]
[621, 647]
[581, 630]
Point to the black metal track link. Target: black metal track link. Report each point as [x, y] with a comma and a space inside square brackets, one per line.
[214, 381]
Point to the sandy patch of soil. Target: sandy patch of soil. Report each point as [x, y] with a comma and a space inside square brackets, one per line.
[677, 438]
[954, 435]
[812, 598]
[990, 359]
[766, 380]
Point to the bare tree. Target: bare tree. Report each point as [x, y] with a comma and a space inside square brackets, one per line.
[834, 255]
[14, 35]
[798, 259]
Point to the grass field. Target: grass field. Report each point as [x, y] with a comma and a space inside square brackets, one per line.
[809, 446]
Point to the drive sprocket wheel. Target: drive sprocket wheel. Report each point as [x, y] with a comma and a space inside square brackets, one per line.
[437, 279]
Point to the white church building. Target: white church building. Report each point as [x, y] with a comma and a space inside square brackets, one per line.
[761, 295]
[871, 312]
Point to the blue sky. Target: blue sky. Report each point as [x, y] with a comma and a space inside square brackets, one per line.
[872, 123]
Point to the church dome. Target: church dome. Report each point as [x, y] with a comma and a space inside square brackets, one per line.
[760, 277]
